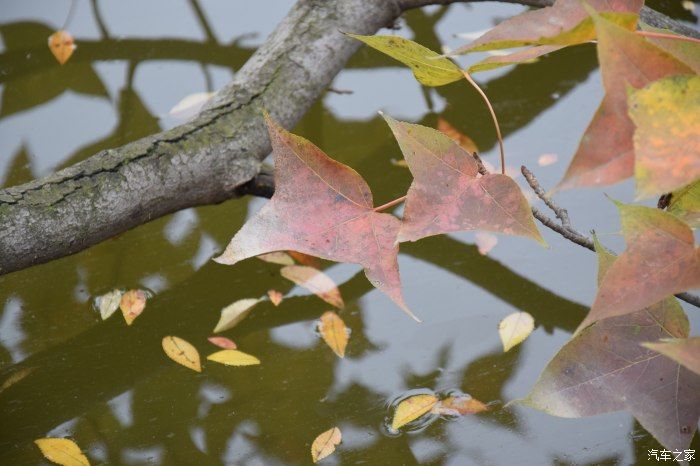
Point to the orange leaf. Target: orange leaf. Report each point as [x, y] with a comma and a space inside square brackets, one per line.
[222, 342]
[275, 297]
[334, 332]
[62, 45]
[459, 406]
[132, 304]
[460, 138]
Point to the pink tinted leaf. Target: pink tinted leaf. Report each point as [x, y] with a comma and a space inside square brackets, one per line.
[222, 342]
[322, 208]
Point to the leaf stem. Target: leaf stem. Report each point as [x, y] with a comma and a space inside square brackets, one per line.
[493, 116]
[661, 35]
[390, 204]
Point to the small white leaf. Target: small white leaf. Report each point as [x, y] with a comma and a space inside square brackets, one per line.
[108, 303]
[190, 105]
[234, 313]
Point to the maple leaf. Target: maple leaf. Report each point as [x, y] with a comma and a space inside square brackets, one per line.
[448, 194]
[550, 28]
[604, 368]
[660, 260]
[667, 135]
[322, 208]
[606, 154]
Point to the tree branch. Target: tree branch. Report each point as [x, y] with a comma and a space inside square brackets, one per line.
[207, 160]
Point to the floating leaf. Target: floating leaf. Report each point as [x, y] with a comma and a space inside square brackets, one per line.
[428, 67]
[132, 304]
[108, 303]
[182, 352]
[62, 451]
[222, 342]
[62, 45]
[685, 351]
[660, 260]
[305, 259]
[667, 135]
[485, 242]
[564, 23]
[277, 257]
[685, 204]
[232, 357]
[515, 328]
[412, 408]
[316, 282]
[604, 369]
[334, 333]
[459, 406]
[606, 154]
[275, 297]
[190, 105]
[234, 313]
[529, 55]
[545, 160]
[448, 194]
[323, 208]
[464, 141]
[325, 443]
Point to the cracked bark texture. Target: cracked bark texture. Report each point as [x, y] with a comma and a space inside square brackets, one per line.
[209, 159]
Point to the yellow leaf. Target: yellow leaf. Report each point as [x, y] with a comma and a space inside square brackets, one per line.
[428, 67]
[234, 313]
[325, 443]
[315, 281]
[132, 304]
[62, 45]
[15, 377]
[233, 358]
[459, 406]
[278, 257]
[334, 333]
[62, 451]
[411, 409]
[515, 328]
[108, 303]
[182, 352]
[275, 297]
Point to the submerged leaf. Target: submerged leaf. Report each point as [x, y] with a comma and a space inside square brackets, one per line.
[62, 451]
[685, 351]
[325, 443]
[16, 377]
[222, 342]
[275, 297]
[323, 208]
[666, 114]
[515, 328]
[459, 406]
[62, 45]
[447, 193]
[428, 67]
[411, 409]
[277, 257]
[334, 333]
[606, 154]
[232, 357]
[182, 352]
[108, 303]
[316, 282]
[234, 313]
[685, 204]
[660, 260]
[132, 304]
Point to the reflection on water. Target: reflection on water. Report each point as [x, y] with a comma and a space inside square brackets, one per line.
[110, 387]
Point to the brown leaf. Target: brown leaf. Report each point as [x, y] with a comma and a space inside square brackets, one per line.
[275, 297]
[222, 342]
[182, 352]
[305, 259]
[334, 333]
[323, 208]
[316, 282]
[447, 193]
[325, 443]
[464, 141]
[132, 304]
[459, 406]
[606, 153]
[62, 45]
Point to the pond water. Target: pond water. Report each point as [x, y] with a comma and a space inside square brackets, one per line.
[110, 387]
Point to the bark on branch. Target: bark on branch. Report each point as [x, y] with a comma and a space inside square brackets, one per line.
[209, 159]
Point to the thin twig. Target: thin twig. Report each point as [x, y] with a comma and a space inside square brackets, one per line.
[390, 204]
[662, 35]
[571, 234]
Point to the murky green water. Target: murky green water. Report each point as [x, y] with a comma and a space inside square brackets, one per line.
[111, 388]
